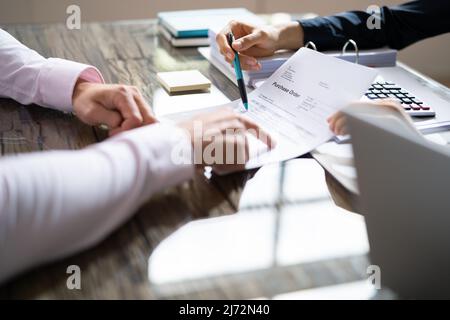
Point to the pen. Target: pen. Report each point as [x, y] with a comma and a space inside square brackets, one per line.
[238, 70]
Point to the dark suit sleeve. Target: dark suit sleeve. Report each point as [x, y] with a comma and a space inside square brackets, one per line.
[400, 26]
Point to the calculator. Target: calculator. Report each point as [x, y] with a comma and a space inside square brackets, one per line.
[412, 105]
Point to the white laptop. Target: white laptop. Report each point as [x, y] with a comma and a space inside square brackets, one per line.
[404, 183]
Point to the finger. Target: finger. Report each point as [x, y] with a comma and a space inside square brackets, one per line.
[344, 130]
[123, 101]
[249, 63]
[114, 131]
[237, 145]
[257, 51]
[224, 47]
[332, 124]
[225, 128]
[260, 133]
[145, 109]
[332, 120]
[249, 41]
[230, 125]
[240, 29]
[99, 115]
[340, 125]
[334, 116]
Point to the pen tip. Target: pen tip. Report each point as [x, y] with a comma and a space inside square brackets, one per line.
[246, 105]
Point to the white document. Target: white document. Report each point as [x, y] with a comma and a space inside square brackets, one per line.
[294, 103]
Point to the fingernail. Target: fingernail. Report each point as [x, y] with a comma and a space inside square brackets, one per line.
[237, 44]
[252, 62]
[229, 56]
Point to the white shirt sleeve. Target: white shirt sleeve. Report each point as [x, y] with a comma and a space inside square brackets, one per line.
[53, 204]
[27, 77]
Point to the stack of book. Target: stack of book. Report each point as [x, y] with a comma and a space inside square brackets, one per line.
[190, 28]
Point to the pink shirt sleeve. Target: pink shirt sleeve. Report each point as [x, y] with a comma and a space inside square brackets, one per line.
[41, 216]
[27, 77]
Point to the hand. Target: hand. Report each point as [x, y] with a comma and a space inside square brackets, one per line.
[224, 132]
[119, 107]
[252, 42]
[338, 121]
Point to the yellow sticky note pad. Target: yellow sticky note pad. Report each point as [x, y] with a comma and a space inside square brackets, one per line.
[181, 81]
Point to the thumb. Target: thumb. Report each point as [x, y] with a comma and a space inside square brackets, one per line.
[248, 41]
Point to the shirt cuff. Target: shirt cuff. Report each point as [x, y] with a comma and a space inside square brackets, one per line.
[318, 31]
[167, 150]
[58, 80]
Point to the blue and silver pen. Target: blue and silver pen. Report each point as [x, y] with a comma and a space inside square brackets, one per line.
[238, 70]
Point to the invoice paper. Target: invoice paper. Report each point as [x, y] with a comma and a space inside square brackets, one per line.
[294, 103]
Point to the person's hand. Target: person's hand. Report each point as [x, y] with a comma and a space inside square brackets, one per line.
[119, 107]
[338, 121]
[252, 42]
[225, 132]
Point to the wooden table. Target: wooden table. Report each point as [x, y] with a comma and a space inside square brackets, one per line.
[256, 234]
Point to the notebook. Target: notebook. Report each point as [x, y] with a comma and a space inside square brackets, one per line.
[196, 23]
[183, 42]
[182, 81]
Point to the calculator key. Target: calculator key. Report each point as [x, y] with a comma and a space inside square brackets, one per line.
[407, 101]
[392, 87]
[412, 105]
